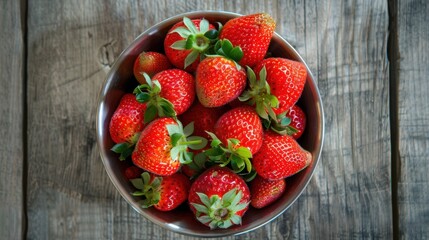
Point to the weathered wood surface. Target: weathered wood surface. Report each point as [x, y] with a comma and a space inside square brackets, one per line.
[12, 50]
[413, 118]
[71, 46]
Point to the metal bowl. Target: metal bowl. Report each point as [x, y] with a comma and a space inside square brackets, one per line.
[120, 81]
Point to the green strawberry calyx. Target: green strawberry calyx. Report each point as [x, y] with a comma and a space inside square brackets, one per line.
[224, 48]
[148, 188]
[259, 95]
[125, 149]
[198, 40]
[156, 105]
[182, 139]
[234, 156]
[220, 212]
[280, 125]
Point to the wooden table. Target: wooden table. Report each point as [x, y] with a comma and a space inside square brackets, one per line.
[371, 64]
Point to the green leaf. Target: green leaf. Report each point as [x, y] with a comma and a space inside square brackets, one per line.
[146, 178]
[212, 135]
[200, 208]
[120, 147]
[237, 163]
[192, 56]
[263, 74]
[243, 152]
[156, 86]
[188, 156]
[175, 138]
[200, 160]
[211, 34]
[167, 108]
[179, 45]
[260, 110]
[251, 76]
[204, 25]
[143, 97]
[173, 129]
[215, 143]
[285, 121]
[236, 54]
[189, 129]
[174, 152]
[137, 183]
[234, 141]
[236, 219]
[229, 196]
[124, 149]
[190, 41]
[183, 32]
[198, 146]
[226, 47]
[271, 114]
[150, 113]
[190, 25]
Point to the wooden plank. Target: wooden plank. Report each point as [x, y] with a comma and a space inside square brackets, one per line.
[71, 47]
[12, 64]
[345, 45]
[412, 66]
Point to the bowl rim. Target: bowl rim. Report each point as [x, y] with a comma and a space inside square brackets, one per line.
[101, 99]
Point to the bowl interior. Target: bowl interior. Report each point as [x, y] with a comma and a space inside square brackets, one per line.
[120, 80]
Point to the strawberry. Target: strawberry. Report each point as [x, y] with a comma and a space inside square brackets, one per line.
[243, 124]
[127, 120]
[298, 120]
[252, 33]
[264, 192]
[126, 124]
[291, 122]
[187, 41]
[163, 146]
[132, 172]
[219, 81]
[204, 118]
[150, 63]
[219, 198]
[164, 193]
[286, 80]
[280, 156]
[168, 93]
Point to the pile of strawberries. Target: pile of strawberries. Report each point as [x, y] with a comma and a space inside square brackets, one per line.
[214, 121]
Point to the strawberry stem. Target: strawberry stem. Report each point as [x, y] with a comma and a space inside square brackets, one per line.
[190, 142]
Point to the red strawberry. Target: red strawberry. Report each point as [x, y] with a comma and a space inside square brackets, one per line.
[164, 193]
[163, 146]
[204, 118]
[252, 33]
[186, 41]
[152, 152]
[168, 93]
[150, 63]
[280, 156]
[243, 124]
[219, 198]
[132, 172]
[264, 192]
[298, 120]
[286, 79]
[127, 120]
[219, 81]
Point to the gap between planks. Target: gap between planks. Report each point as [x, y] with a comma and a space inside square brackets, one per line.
[394, 64]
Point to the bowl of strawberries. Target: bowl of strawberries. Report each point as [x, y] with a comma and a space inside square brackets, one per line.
[210, 124]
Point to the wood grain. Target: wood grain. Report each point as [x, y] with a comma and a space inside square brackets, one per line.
[413, 119]
[71, 46]
[345, 45]
[12, 51]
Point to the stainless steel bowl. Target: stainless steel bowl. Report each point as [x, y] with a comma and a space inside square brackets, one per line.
[181, 220]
